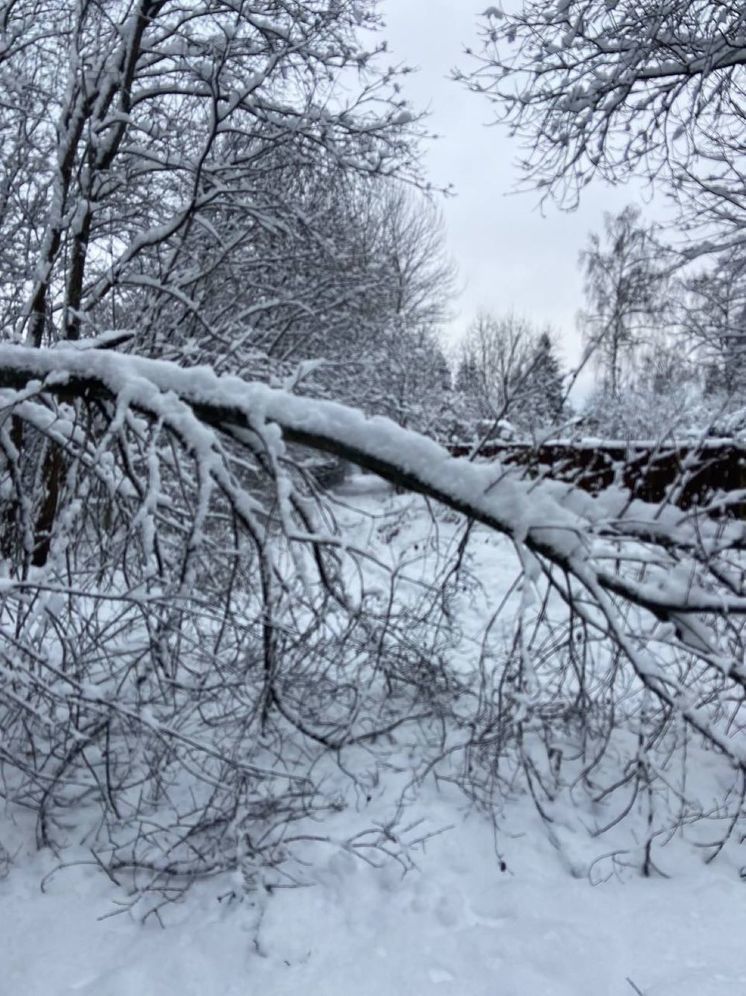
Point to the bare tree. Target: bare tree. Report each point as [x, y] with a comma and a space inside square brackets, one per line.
[625, 287]
[380, 336]
[409, 241]
[507, 367]
[713, 316]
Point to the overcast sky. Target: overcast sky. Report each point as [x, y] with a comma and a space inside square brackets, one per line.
[509, 255]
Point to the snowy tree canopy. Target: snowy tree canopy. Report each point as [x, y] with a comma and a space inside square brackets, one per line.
[148, 142]
[609, 88]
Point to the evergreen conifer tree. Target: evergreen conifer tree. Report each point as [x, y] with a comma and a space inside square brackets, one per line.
[545, 395]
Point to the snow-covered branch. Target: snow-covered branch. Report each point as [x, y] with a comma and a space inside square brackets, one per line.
[569, 531]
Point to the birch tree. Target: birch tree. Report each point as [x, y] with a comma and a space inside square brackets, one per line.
[625, 289]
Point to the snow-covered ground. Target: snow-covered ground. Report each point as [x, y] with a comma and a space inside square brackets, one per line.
[455, 925]
[468, 913]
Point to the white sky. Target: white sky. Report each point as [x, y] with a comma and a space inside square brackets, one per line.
[509, 255]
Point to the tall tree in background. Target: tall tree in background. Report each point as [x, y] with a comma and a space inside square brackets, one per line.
[494, 354]
[407, 234]
[397, 368]
[624, 289]
[545, 389]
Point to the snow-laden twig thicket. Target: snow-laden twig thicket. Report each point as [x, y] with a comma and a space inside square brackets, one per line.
[203, 640]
